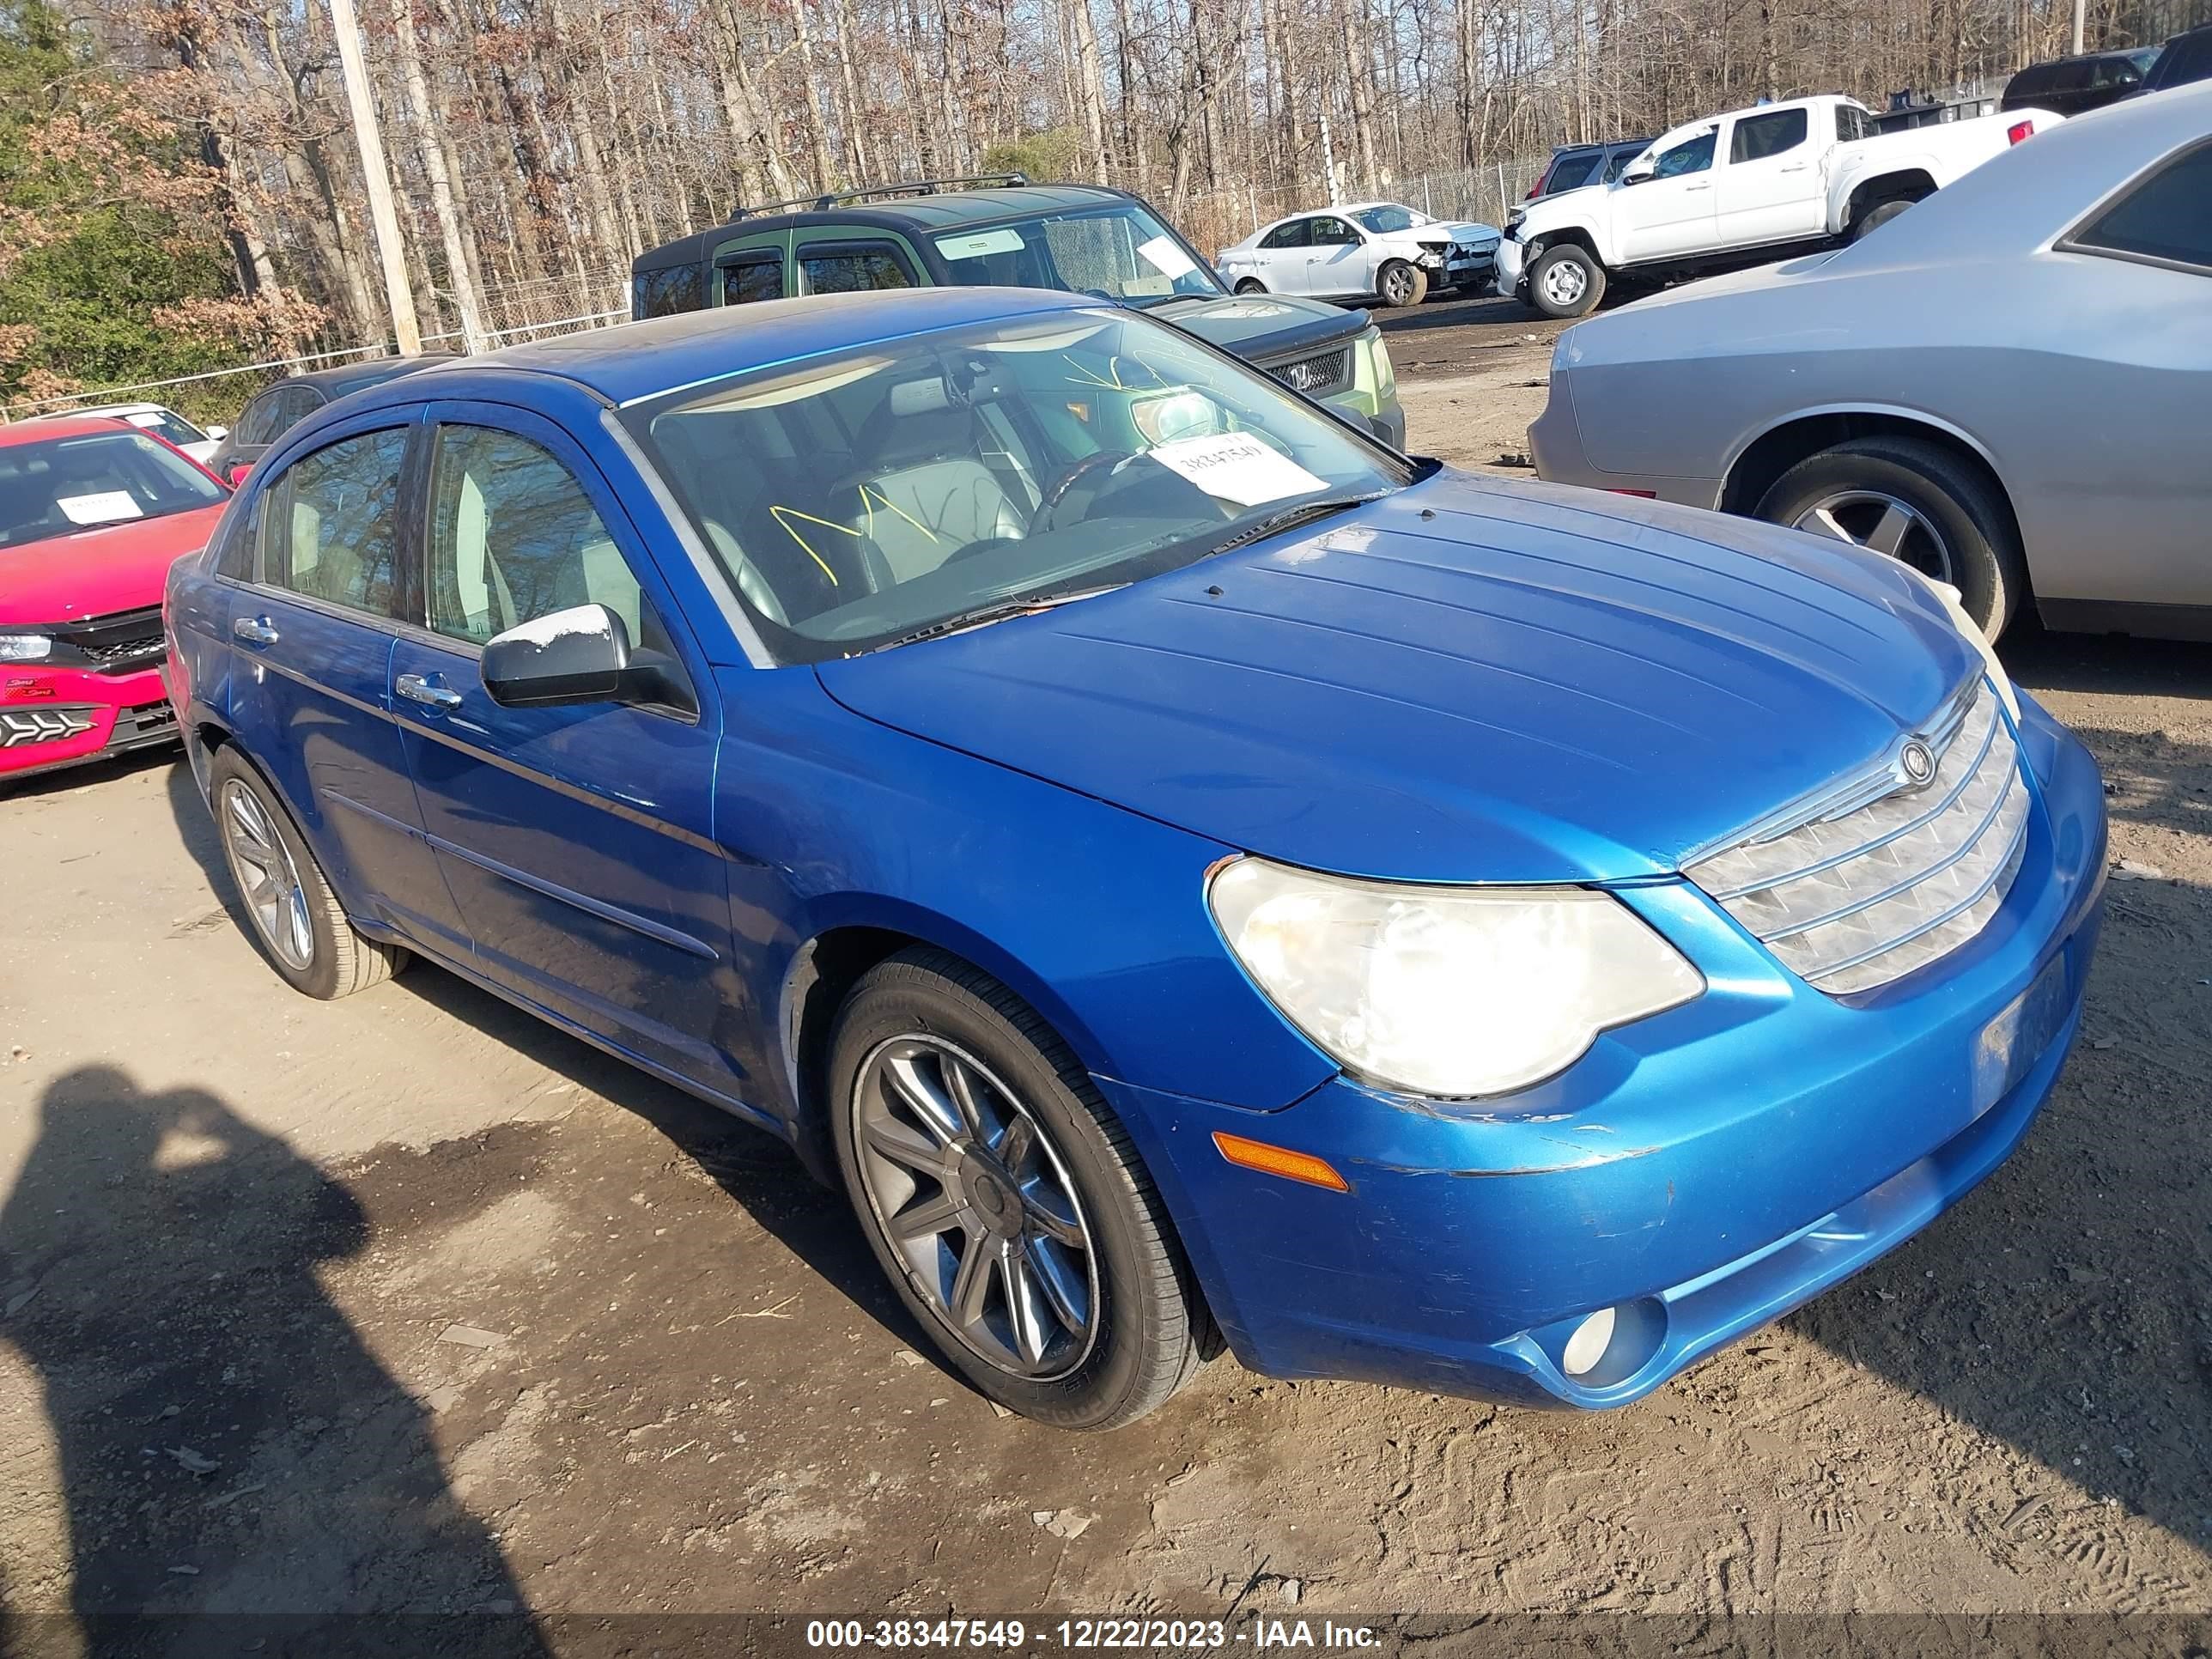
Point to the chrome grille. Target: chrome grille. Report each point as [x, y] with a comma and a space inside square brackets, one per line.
[1883, 875]
[1318, 375]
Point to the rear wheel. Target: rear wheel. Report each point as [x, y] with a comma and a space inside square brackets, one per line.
[293, 914]
[1566, 281]
[1004, 1201]
[1402, 284]
[1251, 285]
[1875, 217]
[1915, 501]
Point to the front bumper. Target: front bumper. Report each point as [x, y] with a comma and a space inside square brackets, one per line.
[1704, 1171]
[51, 718]
[1471, 268]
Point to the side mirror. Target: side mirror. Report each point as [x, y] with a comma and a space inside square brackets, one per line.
[218, 433]
[1637, 172]
[234, 474]
[577, 655]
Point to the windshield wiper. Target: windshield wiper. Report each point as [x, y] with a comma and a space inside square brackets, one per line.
[1290, 517]
[1003, 610]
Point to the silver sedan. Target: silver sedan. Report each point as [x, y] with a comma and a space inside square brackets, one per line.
[2009, 387]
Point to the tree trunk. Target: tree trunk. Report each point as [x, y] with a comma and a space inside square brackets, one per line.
[432, 153]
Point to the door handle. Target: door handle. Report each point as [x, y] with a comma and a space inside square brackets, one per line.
[1794, 167]
[254, 630]
[420, 688]
[1691, 190]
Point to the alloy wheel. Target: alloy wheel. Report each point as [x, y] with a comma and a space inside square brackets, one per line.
[1566, 283]
[1398, 286]
[262, 865]
[1882, 522]
[966, 1188]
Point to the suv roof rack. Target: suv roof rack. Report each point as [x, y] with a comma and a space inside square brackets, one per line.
[825, 202]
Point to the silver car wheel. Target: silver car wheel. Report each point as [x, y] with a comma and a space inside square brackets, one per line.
[1566, 283]
[1398, 285]
[262, 865]
[1883, 523]
[966, 1188]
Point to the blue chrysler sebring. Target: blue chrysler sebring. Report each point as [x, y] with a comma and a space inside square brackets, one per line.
[1189, 874]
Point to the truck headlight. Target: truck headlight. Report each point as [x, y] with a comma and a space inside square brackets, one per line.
[1378, 359]
[25, 647]
[1445, 991]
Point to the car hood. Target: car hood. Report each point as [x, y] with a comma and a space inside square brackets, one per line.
[1258, 326]
[1469, 680]
[100, 570]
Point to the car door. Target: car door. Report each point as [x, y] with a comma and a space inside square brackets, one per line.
[1338, 263]
[1281, 255]
[578, 839]
[2114, 498]
[311, 629]
[1770, 189]
[1671, 211]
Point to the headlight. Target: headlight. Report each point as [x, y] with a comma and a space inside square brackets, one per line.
[25, 647]
[1970, 631]
[1378, 359]
[1450, 991]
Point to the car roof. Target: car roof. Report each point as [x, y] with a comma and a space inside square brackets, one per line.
[44, 426]
[335, 382]
[931, 211]
[631, 362]
[125, 409]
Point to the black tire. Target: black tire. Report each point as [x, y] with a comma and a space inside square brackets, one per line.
[1876, 216]
[1399, 285]
[1147, 1321]
[1957, 500]
[1251, 285]
[1578, 288]
[341, 961]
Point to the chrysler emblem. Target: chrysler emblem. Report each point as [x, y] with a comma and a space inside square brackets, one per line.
[1918, 762]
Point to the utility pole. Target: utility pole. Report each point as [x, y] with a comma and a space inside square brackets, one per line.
[2079, 6]
[377, 176]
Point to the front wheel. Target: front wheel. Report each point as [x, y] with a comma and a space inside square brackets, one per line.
[1566, 281]
[295, 917]
[1004, 1201]
[1915, 501]
[1402, 284]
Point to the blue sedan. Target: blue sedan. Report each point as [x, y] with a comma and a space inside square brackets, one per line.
[1189, 874]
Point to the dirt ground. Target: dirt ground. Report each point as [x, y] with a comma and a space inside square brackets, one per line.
[411, 1302]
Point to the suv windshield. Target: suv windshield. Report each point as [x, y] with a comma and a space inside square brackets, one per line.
[1389, 219]
[67, 485]
[879, 492]
[1118, 253]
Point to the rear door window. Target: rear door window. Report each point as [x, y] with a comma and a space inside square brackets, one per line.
[1775, 133]
[752, 277]
[852, 267]
[2166, 220]
[1572, 171]
[1297, 233]
[330, 525]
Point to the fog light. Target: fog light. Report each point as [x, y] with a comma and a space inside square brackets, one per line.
[1589, 1343]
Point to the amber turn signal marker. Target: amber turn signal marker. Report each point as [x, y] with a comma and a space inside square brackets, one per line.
[1279, 1161]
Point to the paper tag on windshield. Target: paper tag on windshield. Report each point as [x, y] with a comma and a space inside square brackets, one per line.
[1235, 466]
[105, 508]
[976, 244]
[1162, 254]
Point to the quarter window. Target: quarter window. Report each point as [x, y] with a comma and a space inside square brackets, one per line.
[514, 538]
[1692, 156]
[668, 292]
[2166, 219]
[851, 269]
[1758, 136]
[1572, 172]
[331, 527]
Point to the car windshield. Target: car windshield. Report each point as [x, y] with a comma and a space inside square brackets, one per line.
[67, 485]
[1389, 218]
[880, 492]
[163, 423]
[1120, 253]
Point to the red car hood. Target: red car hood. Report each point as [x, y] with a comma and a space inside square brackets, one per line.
[98, 571]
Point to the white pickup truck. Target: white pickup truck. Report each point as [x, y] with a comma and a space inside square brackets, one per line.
[1741, 189]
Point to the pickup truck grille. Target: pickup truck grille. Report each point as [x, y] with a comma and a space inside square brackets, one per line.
[1888, 870]
[1317, 376]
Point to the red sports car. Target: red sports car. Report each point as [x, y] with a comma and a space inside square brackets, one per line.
[93, 513]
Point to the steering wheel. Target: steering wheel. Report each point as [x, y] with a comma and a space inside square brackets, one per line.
[1072, 474]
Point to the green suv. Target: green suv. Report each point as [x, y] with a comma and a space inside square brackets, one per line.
[999, 230]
